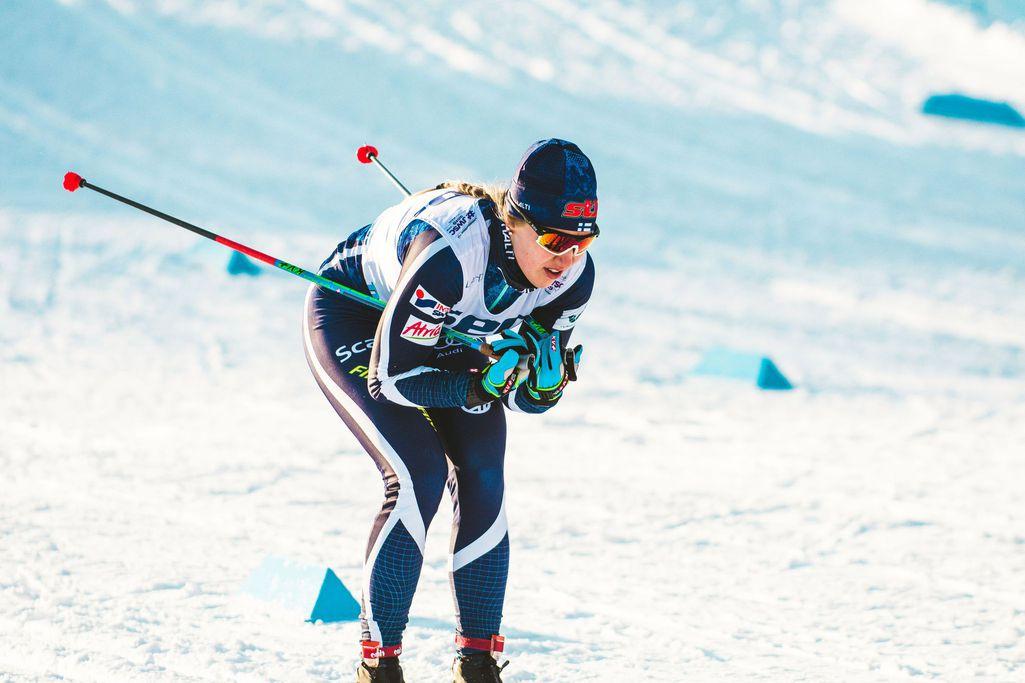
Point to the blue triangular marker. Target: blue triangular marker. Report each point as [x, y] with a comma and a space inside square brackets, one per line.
[238, 264]
[751, 367]
[769, 377]
[334, 603]
[296, 586]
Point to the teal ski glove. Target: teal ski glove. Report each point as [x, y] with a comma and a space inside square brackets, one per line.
[505, 374]
[553, 366]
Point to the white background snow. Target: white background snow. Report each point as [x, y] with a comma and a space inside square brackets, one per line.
[767, 183]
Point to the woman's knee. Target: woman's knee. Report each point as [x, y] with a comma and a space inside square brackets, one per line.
[487, 483]
[423, 489]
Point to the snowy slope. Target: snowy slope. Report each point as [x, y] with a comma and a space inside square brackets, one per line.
[767, 183]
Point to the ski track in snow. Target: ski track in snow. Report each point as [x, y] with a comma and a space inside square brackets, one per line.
[764, 175]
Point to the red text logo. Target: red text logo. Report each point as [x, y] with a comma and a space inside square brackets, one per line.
[588, 209]
[421, 330]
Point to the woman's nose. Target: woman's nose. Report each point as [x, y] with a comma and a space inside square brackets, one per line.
[565, 259]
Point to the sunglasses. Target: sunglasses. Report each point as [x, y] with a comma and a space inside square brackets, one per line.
[554, 242]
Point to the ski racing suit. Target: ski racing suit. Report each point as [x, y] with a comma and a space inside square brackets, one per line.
[438, 258]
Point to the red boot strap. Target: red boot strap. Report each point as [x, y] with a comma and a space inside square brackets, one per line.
[495, 644]
[373, 650]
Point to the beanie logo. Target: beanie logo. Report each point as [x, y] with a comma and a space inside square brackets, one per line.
[588, 209]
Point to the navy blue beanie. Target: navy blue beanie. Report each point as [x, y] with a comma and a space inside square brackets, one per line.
[555, 186]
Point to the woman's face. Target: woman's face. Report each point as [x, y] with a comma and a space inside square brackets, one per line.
[537, 263]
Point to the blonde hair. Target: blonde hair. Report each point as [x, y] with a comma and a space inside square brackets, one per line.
[494, 192]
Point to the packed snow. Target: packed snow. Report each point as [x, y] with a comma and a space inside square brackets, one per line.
[767, 184]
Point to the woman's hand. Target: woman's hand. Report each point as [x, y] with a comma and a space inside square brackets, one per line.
[553, 366]
[505, 374]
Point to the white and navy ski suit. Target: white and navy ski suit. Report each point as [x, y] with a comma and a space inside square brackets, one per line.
[438, 258]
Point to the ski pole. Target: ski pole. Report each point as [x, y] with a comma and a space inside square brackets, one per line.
[367, 154]
[73, 181]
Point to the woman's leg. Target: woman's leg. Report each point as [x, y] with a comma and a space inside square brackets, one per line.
[475, 444]
[338, 336]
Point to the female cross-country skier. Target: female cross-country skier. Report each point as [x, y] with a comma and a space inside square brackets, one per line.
[483, 261]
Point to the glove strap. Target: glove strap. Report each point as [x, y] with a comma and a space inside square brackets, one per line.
[548, 395]
[569, 363]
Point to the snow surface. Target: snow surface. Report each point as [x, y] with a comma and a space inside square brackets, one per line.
[767, 184]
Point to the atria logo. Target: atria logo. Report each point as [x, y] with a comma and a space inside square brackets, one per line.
[420, 332]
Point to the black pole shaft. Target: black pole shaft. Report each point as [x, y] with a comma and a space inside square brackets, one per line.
[153, 212]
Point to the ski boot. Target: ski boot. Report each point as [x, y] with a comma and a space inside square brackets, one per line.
[479, 667]
[385, 667]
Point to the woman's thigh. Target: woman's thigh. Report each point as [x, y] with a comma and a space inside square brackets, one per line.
[338, 337]
[475, 443]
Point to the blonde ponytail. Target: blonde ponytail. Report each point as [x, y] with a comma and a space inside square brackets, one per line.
[495, 192]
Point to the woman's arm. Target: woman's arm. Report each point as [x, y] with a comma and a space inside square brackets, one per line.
[430, 283]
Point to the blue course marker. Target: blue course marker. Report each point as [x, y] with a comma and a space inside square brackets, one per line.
[956, 106]
[742, 365]
[302, 588]
[238, 264]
